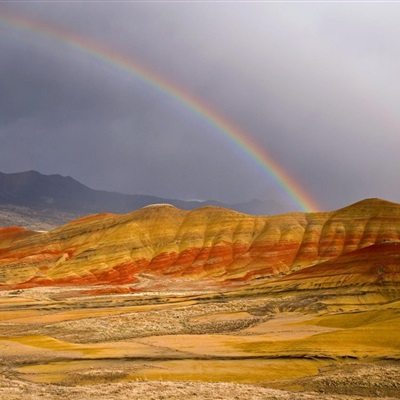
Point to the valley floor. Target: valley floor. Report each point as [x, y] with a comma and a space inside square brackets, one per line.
[60, 344]
[158, 390]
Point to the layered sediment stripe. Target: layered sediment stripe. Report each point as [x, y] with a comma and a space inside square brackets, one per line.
[221, 124]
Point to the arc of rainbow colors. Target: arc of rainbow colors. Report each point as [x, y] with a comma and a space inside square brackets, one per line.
[216, 120]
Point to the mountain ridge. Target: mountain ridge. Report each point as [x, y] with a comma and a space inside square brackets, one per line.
[43, 202]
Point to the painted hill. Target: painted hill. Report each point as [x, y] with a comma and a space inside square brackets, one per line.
[367, 275]
[211, 247]
[301, 302]
[43, 202]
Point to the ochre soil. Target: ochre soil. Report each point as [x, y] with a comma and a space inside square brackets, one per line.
[161, 245]
[56, 343]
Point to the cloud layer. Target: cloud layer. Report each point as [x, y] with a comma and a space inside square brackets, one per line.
[314, 84]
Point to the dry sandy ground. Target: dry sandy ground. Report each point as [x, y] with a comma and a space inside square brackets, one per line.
[155, 390]
[57, 345]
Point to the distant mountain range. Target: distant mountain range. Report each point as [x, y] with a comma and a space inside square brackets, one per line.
[38, 201]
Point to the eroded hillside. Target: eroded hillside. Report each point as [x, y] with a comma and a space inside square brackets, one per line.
[214, 245]
[208, 300]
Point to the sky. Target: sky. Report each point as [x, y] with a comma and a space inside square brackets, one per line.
[312, 84]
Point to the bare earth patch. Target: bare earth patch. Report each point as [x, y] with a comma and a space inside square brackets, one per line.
[152, 390]
[286, 326]
[57, 344]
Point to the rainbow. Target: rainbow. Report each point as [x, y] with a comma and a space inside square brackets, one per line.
[233, 133]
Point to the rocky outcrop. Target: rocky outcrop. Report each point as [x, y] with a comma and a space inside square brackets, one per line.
[211, 244]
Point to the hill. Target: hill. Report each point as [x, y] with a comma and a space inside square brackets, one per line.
[194, 304]
[43, 202]
[224, 248]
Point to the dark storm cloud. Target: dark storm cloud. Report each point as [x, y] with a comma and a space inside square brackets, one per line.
[314, 84]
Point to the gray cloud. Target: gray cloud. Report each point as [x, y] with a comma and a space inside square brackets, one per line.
[314, 84]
